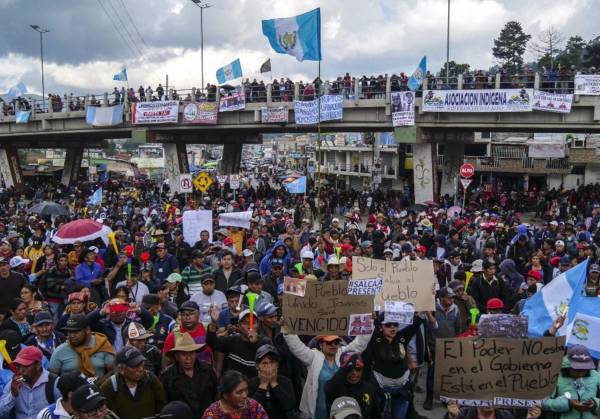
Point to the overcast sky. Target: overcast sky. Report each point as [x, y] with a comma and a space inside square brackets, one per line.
[83, 50]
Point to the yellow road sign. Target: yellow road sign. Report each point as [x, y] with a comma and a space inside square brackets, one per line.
[203, 181]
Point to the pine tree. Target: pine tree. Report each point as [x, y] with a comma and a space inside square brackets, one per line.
[510, 46]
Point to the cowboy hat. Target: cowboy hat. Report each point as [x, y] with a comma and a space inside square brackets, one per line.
[185, 343]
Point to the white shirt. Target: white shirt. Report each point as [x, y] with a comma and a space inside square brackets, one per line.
[136, 292]
[205, 301]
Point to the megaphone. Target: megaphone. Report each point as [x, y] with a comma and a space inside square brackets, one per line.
[251, 301]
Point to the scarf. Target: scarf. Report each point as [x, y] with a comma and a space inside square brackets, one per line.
[84, 353]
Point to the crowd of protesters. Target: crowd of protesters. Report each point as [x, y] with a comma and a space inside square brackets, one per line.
[153, 324]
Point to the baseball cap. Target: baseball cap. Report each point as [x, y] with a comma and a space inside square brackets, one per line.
[477, 266]
[247, 252]
[189, 306]
[174, 277]
[129, 356]
[175, 410]
[135, 331]
[276, 261]
[87, 398]
[207, 277]
[446, 292]
[237, 290]
[565, 260]
[161, 245]
[28, 356]
[18, 261]
[3, 260]
[594, 268]
[495, 304]
[456, 284]
[266, 309]
[580, 358]
[265, 350]
[559, 243]
[307, 254]
[328, 338]
[244, 313]
[76, 322]
[343, 407]
[42, 317]
[197, 254]
[537, 275]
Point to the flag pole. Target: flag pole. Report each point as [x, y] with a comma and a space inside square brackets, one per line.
[318, 179]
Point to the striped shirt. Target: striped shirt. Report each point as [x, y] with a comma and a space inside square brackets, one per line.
[192, 276]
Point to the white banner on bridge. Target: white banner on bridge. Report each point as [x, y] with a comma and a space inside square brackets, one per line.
[332, 107]
[552, 102]
[403, 109]
[306, 112]
[491, 100]
[587, 84]
[161, 112]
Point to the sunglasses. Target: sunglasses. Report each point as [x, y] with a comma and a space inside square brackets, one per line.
[333, 343]
[389, 325]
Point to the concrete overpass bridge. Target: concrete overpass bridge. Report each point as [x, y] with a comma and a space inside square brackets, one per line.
[361, 112]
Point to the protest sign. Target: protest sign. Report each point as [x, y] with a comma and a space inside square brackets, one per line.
[160, 112]
[493, 369]
[399, 312]
[403, 109]
[369, 286]
[233, 102]
[552, 102]
[306, 112]
[491, 100]
[204, 113]
[235, 219]
[409, 281]
[587, 84]
[294, 286]
[332, 107]
[194, 222]
[234, 181]
[278, 115]
[325, 309]
[361, 324]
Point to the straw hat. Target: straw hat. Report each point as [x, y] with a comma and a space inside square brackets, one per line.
[185, 343]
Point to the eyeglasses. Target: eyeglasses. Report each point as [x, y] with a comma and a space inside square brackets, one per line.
[95, 411]
[388, 325]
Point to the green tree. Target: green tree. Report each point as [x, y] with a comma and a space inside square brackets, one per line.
[454, 69]
[573, 52]
[591, 56]
[510, 46]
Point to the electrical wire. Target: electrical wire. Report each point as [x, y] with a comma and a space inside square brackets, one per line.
[116, 27]
[133, 24]
[124, 26]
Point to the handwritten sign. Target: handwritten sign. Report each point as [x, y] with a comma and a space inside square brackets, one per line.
[399, 312]
[370, 286]
[409, 281]
[195, 222]
[496, 368]
[325, 309]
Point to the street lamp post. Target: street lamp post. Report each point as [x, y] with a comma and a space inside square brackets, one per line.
[202, 6]
[448, 47]
[41, 31]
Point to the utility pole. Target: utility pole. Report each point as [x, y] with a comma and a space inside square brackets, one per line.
[202, 6]
[41, 31]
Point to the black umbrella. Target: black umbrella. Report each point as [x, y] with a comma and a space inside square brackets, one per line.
[48, 208]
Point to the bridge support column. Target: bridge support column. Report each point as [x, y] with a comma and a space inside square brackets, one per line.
[10, 167]
[424, 172]
[232, 157]
[72, 166]
[454, 155]
[176, 163]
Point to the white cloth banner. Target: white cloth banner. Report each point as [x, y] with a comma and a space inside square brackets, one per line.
[306, 112]
[546, 150]
[587, 84]
[235, 219]
[234, 102]
[403, 109]
[491, 100]
[195, 222]
[162, 112]
[276, 115]
[552, 102]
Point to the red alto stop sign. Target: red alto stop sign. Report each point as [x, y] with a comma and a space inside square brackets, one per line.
[467, 170]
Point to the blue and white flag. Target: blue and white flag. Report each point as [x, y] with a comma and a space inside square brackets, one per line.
[96, 198]
[417, 77]
[297, 186]
[104, 116]
[16, 91]
[121, 75]
[231, 71]
[22, 117]
[299, 36]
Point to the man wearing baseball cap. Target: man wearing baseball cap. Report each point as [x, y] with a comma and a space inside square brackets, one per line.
[32, 387]
[131, 392]
[345, 408]
[88, 402]
[190, 323]
[62, 409]
[136, 335]
[592, 284]
[209, 296]
[44, 336]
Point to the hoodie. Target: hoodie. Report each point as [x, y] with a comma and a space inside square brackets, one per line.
[513, 278]
[265, 263]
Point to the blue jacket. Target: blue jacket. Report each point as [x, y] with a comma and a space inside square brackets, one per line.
[265, 263]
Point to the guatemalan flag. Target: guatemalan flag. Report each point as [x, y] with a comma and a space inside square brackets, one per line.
[121, 75]
[566, 293]
[297, 186]
[299, 36]
[16, 91]
[417, 77]
[96, 198]
[22, 117]
[231, 71]
[104, 116]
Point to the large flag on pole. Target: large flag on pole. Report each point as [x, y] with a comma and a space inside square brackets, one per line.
[299, 36]
[121, 75]
[298, 186]
[16, 91]
[266, 67]
[95, 198]
[231, 71]
[417, 77]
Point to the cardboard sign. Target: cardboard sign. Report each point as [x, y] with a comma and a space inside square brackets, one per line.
[409, 281]
[325, 309]
[492, 368]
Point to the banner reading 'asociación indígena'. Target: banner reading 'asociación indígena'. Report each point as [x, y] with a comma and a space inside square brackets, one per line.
[493, 100]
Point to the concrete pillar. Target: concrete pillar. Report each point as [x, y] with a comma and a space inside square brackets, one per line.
[72, 166]
[498, 79]
[10, 167]
[536, 80]
[176, 163]
[454, 155]
[86, 102]
[232, 157]
[356, 90]
[459, 82]
[296, 91]
[68, 104]
[193, 95]
[269, 94]
[105, 100]
[388, 89]
[424, 172]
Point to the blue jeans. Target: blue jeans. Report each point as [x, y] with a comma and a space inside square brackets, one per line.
[399, 404]
[57, 309]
